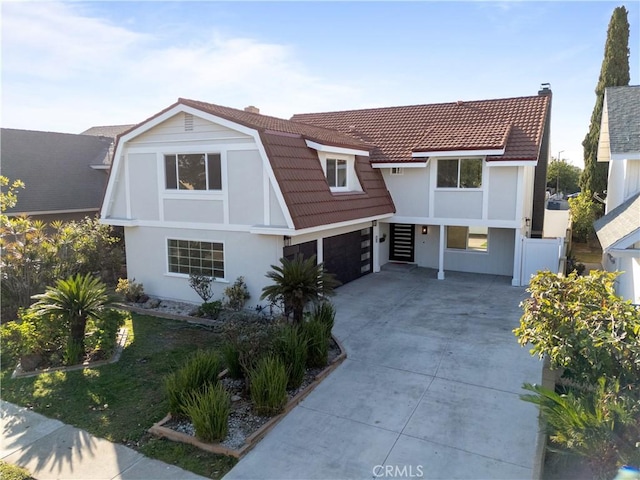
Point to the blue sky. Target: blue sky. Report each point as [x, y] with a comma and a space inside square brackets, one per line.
[67, 66]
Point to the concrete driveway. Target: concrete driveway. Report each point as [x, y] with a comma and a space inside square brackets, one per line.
[429, 388]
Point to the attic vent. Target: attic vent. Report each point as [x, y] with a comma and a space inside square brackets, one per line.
[188, 122]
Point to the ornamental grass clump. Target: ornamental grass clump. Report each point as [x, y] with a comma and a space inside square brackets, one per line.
[325, 313]
[316, 334]
[291, 347]
[209, 410]
[200, 370]
[231, 356]
[268, 386]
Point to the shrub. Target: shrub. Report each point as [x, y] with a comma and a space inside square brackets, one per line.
[252, 341]
[210, 309]
[582, 326]
[602, 424]
[291, 346]
[202, 285]
[325, 313]
[584, 212]
[104, 331]
[231, 356]
[316, 335]
[130, 289]
[268, 385]
[209, 410]
[237, 295]
[201, 369]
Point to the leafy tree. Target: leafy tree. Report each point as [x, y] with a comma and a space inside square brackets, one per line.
[613, 73]
[75, 299]
[563, 176]
[582, 326]
[583, 213]
[298, 282]
[9, 193]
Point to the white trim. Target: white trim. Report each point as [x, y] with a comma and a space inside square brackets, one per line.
[100, 167]
[266, 198]
[127, 185]
[519, 198]
[624, 252]
[484, 186]
[456, 222]
[625, 242]
[133, 222]
[224, 180]
[433, 183]
[517, 259]
[625, 156]
[458, 153]
[511, 163]
[168, 147]
[400, 164]
[331, 149]
[268, 230]
[441, 245]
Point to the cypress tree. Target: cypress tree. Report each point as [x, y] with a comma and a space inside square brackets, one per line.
[613, 73]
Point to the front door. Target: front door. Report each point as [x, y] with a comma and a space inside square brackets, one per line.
[402, 242]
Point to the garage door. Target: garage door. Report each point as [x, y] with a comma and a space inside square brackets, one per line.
[349, 256]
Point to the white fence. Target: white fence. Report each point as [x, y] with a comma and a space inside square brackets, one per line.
[541, 254]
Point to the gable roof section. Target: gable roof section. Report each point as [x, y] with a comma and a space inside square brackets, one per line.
[619, 223]
[298, 171]
[513, 124]
[620, 128]
[55, 168]
[111, 131]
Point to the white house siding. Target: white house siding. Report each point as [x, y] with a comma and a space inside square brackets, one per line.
[206, 210]
[245, 184]
[276, 216]
[119, 206]
[632, 180]
[498, 260]
[503, 184]
[628, 282]
[143, 185]
[464, 203]
[244, 255]
[616, 184]
[410, 191]
[176, 129]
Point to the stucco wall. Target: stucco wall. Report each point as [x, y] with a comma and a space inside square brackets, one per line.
[246, 198]
[143, 185]
[503, 187]
[410, 191]
[244, 254]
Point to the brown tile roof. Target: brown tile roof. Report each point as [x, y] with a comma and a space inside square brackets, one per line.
[298, 171]
[517, 124]
[111, 131]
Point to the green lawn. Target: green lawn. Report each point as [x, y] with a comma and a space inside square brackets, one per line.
[585, 253]
[121, 401]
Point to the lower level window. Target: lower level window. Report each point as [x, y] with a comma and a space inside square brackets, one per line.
[204, 258]
[468, 238]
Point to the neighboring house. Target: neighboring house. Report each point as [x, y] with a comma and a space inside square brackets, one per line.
[204, 188]
[619, 229]
[64, 174]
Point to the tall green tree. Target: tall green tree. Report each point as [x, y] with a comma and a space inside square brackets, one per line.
[614, 73]
[563, 176]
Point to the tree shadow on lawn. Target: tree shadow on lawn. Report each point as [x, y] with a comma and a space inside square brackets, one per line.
[118, 401]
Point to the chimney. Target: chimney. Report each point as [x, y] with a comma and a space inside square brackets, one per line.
[252, 109]
[545, 89]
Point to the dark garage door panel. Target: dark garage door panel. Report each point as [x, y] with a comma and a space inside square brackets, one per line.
[348, 256]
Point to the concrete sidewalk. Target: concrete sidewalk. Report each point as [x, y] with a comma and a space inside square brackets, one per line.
[430, 387]
[49, 449]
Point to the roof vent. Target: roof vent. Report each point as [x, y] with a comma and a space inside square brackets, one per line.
[188, 122]
[459, 102]
[252, 109]
[545, 89]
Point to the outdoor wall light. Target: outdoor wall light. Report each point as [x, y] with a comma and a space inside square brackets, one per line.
[287, 241]
[425, 229]
[527, 222]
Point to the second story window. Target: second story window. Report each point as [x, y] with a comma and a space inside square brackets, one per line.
[460, 173]
[336, 172]
[193, 171]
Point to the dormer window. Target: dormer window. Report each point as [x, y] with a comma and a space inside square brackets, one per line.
[337, 173]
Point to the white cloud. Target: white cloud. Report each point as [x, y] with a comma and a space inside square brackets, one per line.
[64, 70]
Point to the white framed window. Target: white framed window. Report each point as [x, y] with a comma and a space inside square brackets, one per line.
[337, 173]
[397, 171]
[459, 173]
[194, 256]
[474, 239]
[193, 171]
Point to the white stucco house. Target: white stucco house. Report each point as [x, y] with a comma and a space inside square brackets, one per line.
[619, 229]
[457, 186]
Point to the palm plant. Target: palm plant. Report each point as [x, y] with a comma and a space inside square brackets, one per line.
[298, 282]
[75, 299]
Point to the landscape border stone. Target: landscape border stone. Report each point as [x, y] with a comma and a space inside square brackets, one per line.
[121, 341]
[164, 432]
